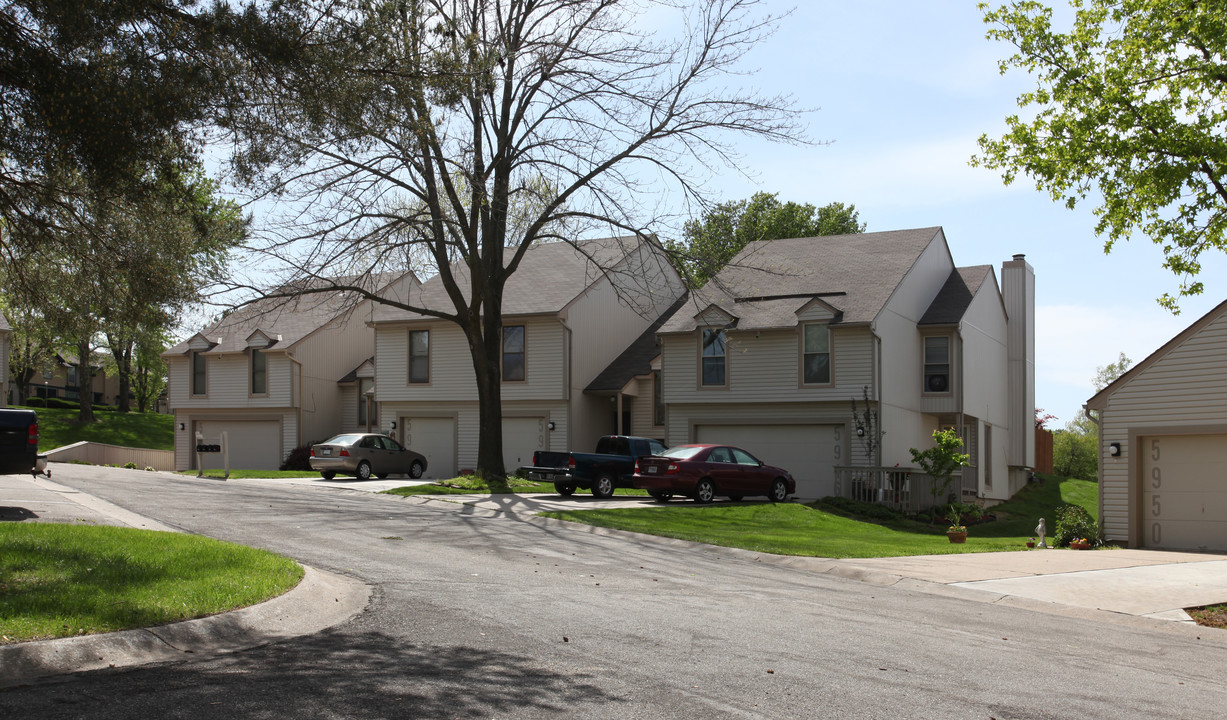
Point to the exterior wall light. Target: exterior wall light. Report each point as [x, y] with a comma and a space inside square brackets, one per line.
[1114, 449]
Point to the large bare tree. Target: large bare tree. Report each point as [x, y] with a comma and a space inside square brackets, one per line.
[433, 132]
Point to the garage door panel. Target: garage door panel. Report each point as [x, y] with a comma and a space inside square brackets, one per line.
[521, 438]
[251, 445]
[436, 439]
[808, 452]
[1184, 492]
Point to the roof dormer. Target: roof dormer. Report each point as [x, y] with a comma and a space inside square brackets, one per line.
[261, 340]
[714, 315]
[819, 310]
[200, 343]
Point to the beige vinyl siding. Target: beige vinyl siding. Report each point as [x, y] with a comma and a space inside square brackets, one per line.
[544, 362]
[1182, 392]
[643, 411]
[228, 382]
[902, 349]
[983, 363]
[765, 366]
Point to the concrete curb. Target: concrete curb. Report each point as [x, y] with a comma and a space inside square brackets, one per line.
[320, 601]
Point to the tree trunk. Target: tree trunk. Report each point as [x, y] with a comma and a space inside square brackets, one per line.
[485, 346]
[85, 382]
[121, 350]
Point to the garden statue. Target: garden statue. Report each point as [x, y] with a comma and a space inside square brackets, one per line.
[1040, 532]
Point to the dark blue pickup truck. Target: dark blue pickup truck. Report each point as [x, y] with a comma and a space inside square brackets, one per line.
[610, 467]
[18, 441]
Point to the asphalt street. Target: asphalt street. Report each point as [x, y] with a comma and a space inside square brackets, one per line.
[481, 614]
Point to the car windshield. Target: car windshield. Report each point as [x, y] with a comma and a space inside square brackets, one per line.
[347, 439]
[683, 452]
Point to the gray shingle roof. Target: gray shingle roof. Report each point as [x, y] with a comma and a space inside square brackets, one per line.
[548, 278]
[769, 281]
[955, 296]
[4, 324]
[291, 318]
[636, 360]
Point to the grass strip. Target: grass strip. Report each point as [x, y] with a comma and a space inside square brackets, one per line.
[64, 580]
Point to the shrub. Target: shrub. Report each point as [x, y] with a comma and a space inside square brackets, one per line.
[61, 404]
[131, 466]
[36, 402]
[967, 511]
[298, 459]
[1073, 521]
[150, 468]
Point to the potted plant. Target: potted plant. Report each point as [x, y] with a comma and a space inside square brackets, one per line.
[957, 532]
[1080, 544]
[1031, 543]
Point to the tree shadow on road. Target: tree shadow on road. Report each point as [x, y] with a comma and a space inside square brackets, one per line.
[329, 675]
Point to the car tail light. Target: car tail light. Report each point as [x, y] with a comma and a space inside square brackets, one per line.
[32, 437]
[312, 452]
[343, 453]
[637, 466]
[672, 469]
[570, 463]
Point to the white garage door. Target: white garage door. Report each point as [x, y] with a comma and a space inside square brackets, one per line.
[1184, 492]
[436, 439]
[253, 445]
[808, 452]
[522, 437]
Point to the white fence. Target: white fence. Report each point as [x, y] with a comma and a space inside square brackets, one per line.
[100, 454]
[907, 490]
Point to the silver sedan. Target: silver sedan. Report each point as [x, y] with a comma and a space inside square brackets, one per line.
[363, 455]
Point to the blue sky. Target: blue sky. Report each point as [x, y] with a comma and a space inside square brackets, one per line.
[904, 91]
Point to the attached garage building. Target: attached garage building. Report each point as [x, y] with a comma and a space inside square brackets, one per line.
[1163, 444]
[807, 452]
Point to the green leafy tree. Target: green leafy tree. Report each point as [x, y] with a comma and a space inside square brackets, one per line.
[941, 461]
[469, 130]
[1106, 375]
[710, 242]
[1128, 110]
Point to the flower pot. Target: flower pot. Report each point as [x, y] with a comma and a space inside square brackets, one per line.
[1030, 544]
[1080, 546]
[957, 537]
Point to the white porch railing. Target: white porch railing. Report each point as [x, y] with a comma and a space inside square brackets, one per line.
[906, 490]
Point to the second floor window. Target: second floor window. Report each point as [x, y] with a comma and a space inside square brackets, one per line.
[419, 356]
[513, 352]
[937, 365]
[816, 355]
[714, 357]
[259, 373]
[199, 376]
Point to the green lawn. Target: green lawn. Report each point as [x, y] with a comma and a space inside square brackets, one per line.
[818, 531]
[59, 427]
[64, 580]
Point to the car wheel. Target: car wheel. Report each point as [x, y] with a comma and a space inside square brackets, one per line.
[328, 475]
[565, 489]
[364, 471]
[704, 491]
[661, 496]
[381, 476]
[603, 487]
[779, 491]
[415, 470]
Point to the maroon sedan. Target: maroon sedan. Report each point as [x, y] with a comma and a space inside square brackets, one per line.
[705, 471]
